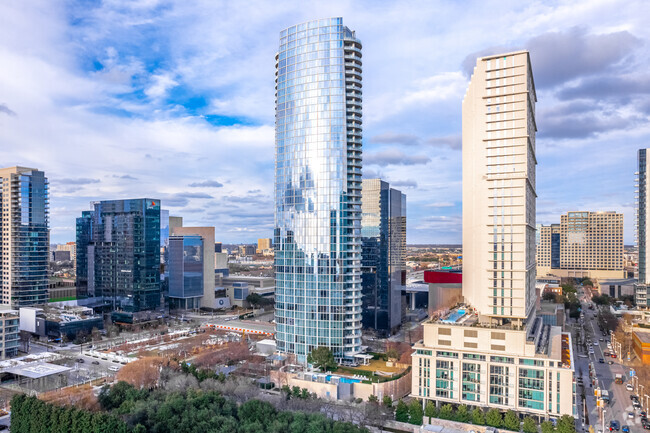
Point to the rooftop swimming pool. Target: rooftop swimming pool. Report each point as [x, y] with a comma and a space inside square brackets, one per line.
[328, 378]
[454, 317]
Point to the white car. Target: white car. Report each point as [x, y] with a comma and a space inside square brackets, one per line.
[595, 343]
[629, 387]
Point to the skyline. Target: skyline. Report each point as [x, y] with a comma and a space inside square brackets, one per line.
[155, 100]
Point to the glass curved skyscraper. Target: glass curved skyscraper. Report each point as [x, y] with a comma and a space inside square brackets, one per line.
[318, 190]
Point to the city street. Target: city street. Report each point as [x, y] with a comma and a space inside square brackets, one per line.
[620, 404]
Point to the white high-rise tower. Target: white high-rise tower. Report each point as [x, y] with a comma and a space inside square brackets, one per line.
[499, 188]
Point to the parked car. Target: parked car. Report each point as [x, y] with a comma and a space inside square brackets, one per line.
[629, 387]
[610, 362]
[614, 425]
[95, 362]
[601, 360]
[80, 360]
[625, 429]
[630, 415]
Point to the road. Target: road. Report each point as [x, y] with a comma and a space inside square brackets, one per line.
[620, 403]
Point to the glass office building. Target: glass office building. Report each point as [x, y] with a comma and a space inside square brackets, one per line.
[25, 236]
[383, 255]
[318, 190]
[185, 270]
[118, 245]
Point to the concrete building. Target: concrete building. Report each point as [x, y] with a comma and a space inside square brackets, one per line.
[71, 247]
[461, 362]
[24, 235]
[548, 248]
[383, 255]
[264, 244]
[494, 352]
[641, 345]
[9, 332]
[318, 190]
[642, 228]
[499, 189]
[591, 244]
[619, 287]
[191, 267]
[53, 321]
[445, 289]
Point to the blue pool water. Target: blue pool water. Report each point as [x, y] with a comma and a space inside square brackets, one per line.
[453, 317]
[342, 379]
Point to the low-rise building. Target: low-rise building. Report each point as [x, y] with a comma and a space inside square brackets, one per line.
[55, 322]
[528, 369]
[616, 288]
[9, 331]
[641, 345]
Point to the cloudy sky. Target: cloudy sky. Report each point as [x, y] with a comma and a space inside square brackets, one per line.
[174, 100]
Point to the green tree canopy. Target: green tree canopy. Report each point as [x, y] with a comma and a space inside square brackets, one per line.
[415, 412]
[322, 358]
[387, 401]
[430, 410]
[446, 412]
[511, 421]
[478, 417]
[566, 424]
[530, 426]
[547, 427]
[401, 412]
[493, 418]
[462, 414]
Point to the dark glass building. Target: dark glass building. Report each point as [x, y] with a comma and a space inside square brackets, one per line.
[383, 255]
[25, 236]
[118, 255]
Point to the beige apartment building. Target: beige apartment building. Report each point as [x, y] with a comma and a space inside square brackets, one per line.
[548, 246]
[529, 371]
[493, 352]
[499, 188]
[263, 245]
[590, 245]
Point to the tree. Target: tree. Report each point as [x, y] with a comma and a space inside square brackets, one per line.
[511, 422]
[566, 424]
[462, 414]
[548, 427]
[478, 417]
[493, 418]
[446, 412]
[431, 410]
[415, 412]
[95, 334]
[530, 426]
[392, 353]
[322, 358]
[401, 412]
[548, 296]
[372, 398]
[387, 401]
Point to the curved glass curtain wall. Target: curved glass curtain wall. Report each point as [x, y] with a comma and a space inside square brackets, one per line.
[318, 189]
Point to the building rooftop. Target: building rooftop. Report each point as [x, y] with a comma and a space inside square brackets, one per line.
[36, 370]
[642, 335]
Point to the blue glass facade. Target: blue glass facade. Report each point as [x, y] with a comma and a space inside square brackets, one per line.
[118, 254]
[318, 189]
[185, 269]
[25, 236]
[383, 263]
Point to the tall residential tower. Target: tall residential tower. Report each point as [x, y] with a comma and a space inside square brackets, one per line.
[25, 236]
[499, 188]
[493, 352]
[642, 232]
[318, 189]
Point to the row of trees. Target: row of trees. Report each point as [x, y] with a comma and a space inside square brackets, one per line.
[31, 415]
[413, 414]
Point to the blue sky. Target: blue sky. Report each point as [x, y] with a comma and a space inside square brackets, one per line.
[174, 100]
